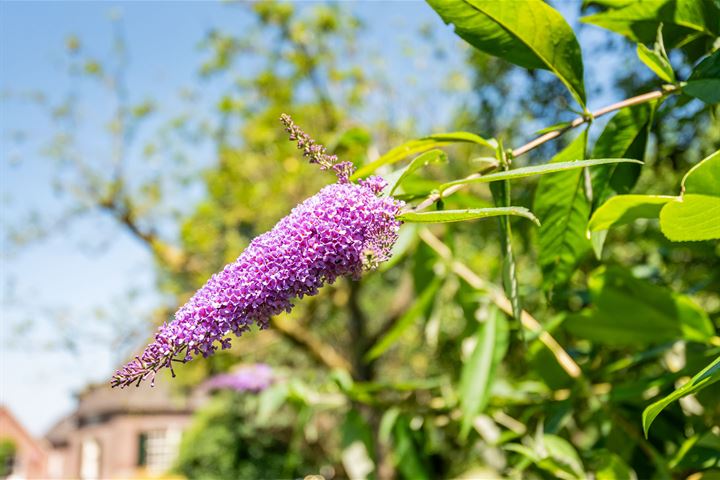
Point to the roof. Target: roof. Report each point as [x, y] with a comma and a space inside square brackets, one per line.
[98, 403]
[16, 428]
[102, 400]
[58, 434]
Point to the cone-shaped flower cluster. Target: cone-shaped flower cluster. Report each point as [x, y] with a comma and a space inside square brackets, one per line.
[342, 230]
[248, 378]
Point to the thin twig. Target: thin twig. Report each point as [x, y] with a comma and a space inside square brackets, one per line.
[503, 303]
[319, 350]
[640, 99]
[644, 98]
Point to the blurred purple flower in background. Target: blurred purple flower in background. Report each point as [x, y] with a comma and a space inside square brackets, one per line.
[247, 378]
[341, 231]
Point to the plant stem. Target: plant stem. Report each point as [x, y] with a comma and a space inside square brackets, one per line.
[644, 98]
[629, 102]
[503, 303]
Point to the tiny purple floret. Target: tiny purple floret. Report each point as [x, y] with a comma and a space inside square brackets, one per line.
[341, 231]
[247, 378]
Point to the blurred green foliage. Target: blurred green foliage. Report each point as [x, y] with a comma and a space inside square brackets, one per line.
[8, 461]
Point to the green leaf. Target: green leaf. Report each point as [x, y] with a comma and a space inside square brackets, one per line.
[530, 34]
[597, 239]
[422, 160]
[707, 376]
[691, 218]
[699, 452]
[624, 136]
[501, 196]
[552, 128]
[630, 311]
[562, 459]
[609, 466]
[479, 372]
[624, 209]
[704, 178]
[387, 424]
[695, 215]
[656, 62]
[358, 446]
[409, 457]
[407, 319]
[563, 207]
[553, 454]
[538, 170]
[447, 216]
[639, 21]
[704, 82]
[420, 145]
[271, 399]
[607, 3]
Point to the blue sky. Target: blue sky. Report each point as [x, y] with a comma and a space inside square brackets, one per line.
[51, 289]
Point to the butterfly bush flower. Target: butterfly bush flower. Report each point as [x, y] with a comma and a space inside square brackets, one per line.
[343, 230]
[248, 378]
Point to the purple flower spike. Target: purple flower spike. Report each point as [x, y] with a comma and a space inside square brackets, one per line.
[248, 378]
[341, 231]
[315, 152]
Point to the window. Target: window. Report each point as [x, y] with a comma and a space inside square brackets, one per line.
[158, 448]
[90, 452]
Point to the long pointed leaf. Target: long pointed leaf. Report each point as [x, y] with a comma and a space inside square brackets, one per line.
[433, 156]
[707, 376]
[529, 33]
[407, 319]
[413, 147]
[538, 170]
[448, 216]
[479, 372]
[562, 204]
[623, 209]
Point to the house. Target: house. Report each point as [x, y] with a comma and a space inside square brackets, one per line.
[114, 433]
[24, 455]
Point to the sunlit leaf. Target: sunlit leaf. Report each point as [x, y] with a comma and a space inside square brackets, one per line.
[704, 178]
[422, 160]
[704, 82]
[707, 376]
[639, 20]
[691, 218]
[530, 34]
[562, 459]
[631, 311]
[624, 209]
[534, 170]
[447, 216]
[420, 145]
[405, 321]
[656, 62]
[607, 465]
[695, 215]
[478, 373]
